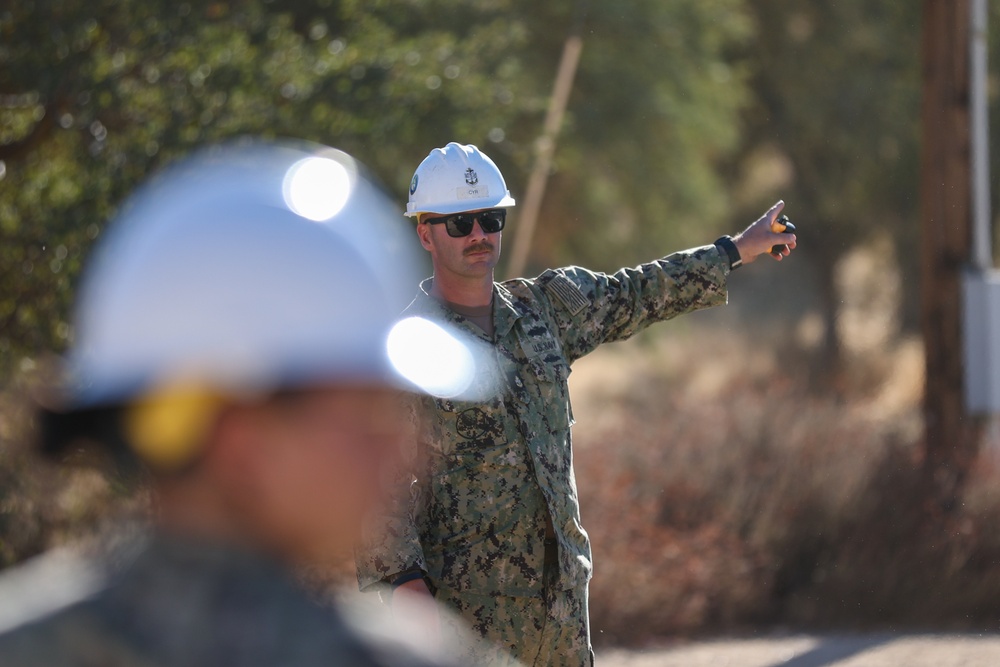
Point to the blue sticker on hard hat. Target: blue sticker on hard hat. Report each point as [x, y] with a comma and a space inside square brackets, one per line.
[471, 177]
[413, 184]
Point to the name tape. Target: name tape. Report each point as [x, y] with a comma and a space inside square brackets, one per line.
[472, 192]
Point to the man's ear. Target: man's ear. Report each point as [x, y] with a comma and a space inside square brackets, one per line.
[424, 234]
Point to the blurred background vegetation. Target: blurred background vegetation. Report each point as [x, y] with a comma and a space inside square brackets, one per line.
[686, 120]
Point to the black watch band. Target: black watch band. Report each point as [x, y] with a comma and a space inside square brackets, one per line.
[407, 577]
[726, 245]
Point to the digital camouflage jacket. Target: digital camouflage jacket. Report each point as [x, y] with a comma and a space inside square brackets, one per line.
[470, 507]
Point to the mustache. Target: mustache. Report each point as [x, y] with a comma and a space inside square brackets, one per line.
[478, 247]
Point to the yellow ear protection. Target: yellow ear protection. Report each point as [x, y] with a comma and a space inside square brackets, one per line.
[168, 426]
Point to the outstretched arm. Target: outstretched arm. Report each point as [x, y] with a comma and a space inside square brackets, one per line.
[594, 308]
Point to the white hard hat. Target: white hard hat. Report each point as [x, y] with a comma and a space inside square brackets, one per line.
[245, 269]
[457, 178]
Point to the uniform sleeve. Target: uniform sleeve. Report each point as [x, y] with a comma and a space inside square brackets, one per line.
[390, 542]
[594, 308]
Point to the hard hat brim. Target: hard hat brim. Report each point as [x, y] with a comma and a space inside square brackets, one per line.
[462, 206]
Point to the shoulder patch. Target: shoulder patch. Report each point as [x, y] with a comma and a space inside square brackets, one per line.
[567, 292]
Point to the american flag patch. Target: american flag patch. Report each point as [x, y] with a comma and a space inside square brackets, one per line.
[568, 294]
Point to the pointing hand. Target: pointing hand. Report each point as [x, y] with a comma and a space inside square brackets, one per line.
[758, 238]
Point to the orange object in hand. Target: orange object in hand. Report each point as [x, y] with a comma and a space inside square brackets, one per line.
[781, 225]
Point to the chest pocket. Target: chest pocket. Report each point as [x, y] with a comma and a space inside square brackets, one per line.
[543, 399]
[461, 429]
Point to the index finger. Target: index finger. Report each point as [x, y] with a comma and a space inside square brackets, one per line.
[773, 213]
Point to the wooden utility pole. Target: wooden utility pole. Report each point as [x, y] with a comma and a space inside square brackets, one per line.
[952, 436]
[546, 147]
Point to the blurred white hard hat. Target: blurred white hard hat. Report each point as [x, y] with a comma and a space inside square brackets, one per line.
[243, 269]
[454, 179]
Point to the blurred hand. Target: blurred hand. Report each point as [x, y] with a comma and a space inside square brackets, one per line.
[758, 239]
[413, 605]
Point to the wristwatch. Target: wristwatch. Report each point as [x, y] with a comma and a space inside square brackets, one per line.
[726, 245]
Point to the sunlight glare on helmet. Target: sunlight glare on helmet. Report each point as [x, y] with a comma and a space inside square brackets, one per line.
[317, 188]
[430, 357]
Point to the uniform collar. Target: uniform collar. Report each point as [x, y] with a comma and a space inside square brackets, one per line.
[506, 312]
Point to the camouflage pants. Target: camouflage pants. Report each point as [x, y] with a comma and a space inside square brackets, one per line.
[551, 629]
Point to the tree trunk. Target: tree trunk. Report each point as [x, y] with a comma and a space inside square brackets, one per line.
[952, 436]
[827, 366]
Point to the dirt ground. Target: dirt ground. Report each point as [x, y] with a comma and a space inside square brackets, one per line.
[810, 651]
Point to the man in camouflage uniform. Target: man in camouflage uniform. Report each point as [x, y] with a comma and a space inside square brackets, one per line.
[212, 348]
[487, 518]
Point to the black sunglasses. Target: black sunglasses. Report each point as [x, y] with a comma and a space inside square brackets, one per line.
[460, 225]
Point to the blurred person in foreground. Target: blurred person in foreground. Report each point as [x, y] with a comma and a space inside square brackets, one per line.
[230, 337]
[486, 518]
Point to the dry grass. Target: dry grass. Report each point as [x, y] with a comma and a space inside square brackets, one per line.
[721, 495]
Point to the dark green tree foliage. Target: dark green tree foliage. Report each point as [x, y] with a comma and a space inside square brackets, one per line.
[94, 95]
[655, 109]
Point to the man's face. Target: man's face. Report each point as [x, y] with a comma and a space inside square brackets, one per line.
[311, 464]
[472, 256]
